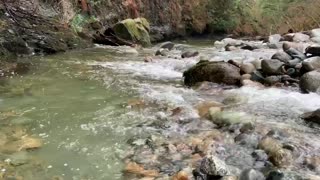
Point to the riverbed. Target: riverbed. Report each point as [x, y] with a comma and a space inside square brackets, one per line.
[91, 108]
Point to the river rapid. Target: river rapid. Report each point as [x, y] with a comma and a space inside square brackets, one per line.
[96, 110]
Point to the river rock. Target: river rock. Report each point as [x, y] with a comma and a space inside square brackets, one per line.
[288, 37]
[19, 158]
[226, 118]
[316, 39]
[217, 72]
[250, 140]
[271, 80]
[232, 42]
[312, 116]
[298, 46]
[250, 83]
[260, 155]
[300, 37]
[247, 68]
[203, 108]
[313, 163]
[283, 175]
[229, 178]
[213, 166]
[310, 82]
[281, 157]
[269, 144]
[315, 32]
[257, 76]
[189, 54]
[134, 168]
[182, 175]
[167, 45]
[294, 53]
[272, 67]
[257, 63]
[311, 64]
[282, 56]
[274, 39]
[251, 174]
[135, 30]
[162, 52]
[313, 50]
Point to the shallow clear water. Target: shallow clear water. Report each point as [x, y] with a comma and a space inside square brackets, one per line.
[77, 102]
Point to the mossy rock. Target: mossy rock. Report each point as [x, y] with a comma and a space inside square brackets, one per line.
[135, 30]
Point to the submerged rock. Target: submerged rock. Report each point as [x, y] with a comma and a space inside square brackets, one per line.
[217, 72]
[310, 82]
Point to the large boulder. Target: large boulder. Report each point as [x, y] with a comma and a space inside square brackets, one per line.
[311, 64]
[272, 67]
[312, 116]
[310, 82]
[135, 30]
[217, 72]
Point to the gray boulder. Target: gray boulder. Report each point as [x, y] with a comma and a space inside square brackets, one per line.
[300, 37]
[217, 72]
[311, 64]
[282, 56]
[282, 175]
[189, 54]
[251, 174]
[167, 45]
[272, 67]
[294, 53]
[310, 82]
[162, 52]
[312, 116]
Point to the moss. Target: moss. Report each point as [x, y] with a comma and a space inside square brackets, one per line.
[134, 30]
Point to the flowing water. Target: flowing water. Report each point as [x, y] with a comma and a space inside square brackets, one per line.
[88, 105]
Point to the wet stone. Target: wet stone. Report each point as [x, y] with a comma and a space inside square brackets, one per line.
[251, 174]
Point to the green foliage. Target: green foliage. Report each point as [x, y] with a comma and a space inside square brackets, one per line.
[80, 21]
